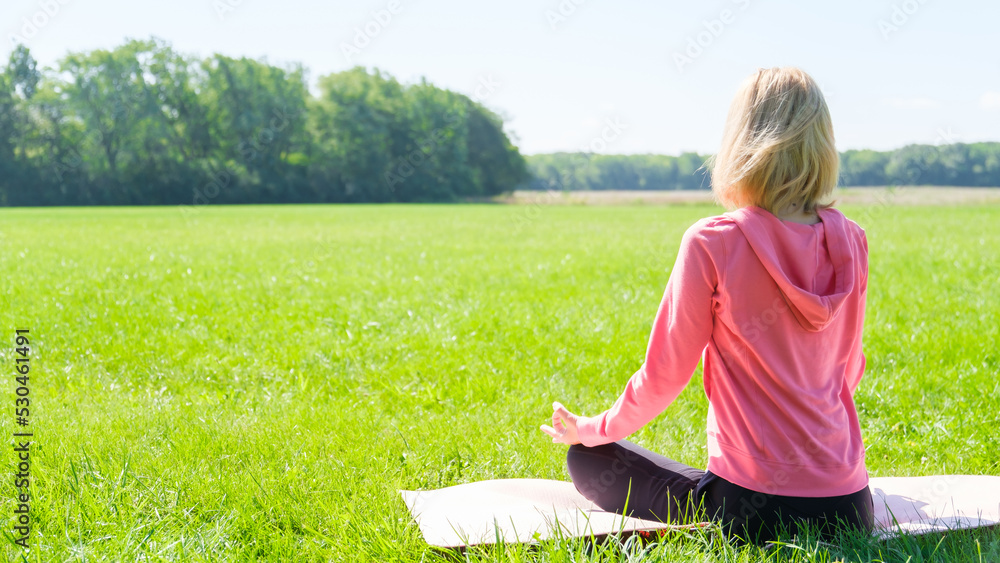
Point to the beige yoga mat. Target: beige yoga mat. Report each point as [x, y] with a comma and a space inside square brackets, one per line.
[530, 510]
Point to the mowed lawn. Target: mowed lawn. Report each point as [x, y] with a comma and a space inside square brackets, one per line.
[255, 383]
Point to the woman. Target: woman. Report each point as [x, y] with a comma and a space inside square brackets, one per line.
[771, 297]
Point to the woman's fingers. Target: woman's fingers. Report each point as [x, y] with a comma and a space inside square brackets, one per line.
[560, 411]
[563, 427]
[557, 421]
[556, 435]
[560, 416]
[552, 432]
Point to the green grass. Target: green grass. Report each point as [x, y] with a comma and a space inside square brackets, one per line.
[256, 383]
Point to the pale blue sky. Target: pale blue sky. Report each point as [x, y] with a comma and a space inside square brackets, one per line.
[930, 71]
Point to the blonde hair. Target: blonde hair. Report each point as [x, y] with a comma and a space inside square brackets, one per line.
[777, 148]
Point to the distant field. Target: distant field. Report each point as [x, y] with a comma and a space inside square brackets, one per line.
[898, 195]
[254, 383]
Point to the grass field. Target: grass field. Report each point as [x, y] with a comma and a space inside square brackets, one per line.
[868, 195]
[256, 383]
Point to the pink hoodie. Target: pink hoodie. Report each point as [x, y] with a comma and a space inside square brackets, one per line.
[775, 310]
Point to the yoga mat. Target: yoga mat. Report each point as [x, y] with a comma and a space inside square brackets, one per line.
[531, 510]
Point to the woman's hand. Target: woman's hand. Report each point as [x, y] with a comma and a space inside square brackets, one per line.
[564, 423]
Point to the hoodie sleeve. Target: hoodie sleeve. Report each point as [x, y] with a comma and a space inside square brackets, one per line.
[681, 330]
[854, 378]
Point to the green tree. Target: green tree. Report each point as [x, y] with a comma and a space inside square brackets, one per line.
[354, 122]
[257, 120]
[497, 166]
[18, 85]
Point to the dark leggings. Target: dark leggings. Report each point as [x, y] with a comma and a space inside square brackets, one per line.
[655, 487]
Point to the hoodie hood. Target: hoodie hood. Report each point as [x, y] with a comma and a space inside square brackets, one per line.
[814, 289]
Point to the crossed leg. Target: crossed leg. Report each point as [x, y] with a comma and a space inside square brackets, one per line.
[624, 478]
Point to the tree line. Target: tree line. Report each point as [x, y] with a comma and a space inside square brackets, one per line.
[956, 164]
[143, 124]
[590, 171]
